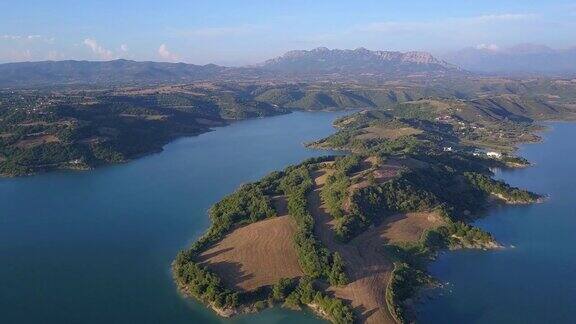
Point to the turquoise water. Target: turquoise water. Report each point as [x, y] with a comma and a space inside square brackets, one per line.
[96, 247]
[534, 280]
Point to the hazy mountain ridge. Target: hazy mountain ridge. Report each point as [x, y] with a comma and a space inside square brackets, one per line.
[112, 72]
[299, 65]
[320, 64]
[523, 58]
[360, 60]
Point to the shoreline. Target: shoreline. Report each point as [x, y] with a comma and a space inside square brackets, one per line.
[64, 166]
[246, 309]
[488, 245]
[426, 294]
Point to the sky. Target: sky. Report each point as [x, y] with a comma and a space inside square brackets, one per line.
[238, 32]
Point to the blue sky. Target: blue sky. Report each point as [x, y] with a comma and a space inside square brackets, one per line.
[248, 31]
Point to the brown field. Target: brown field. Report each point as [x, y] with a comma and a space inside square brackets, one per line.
[262, 253]
[158, 90]
[366, 264]
[37, 140]
[381, 172]
[258, 254]
[408, 227]
[388, 133]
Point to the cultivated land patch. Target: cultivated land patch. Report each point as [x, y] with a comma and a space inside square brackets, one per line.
[372, 132]
[381, 172]
[256, 255]
[366, 264]
[409, 227]
[37, 140]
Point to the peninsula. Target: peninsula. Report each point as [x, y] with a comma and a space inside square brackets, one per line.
[350, 236]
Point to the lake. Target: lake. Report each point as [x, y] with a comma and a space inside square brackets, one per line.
[533, 280]
[96, 246]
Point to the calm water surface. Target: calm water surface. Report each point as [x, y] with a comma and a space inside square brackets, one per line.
[96, 247]
[534, 281]
[93, 247]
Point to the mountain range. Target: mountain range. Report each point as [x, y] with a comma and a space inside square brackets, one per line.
[120, 71]
[359, 61]
[319, 63]
[519, 59]
[300, 65]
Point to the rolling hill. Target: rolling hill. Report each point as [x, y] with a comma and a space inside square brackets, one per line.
[320, 63]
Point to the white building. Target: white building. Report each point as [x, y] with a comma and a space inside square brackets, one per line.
[493, 154]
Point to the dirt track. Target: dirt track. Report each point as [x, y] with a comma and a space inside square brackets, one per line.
[367, 267]
[366, 263]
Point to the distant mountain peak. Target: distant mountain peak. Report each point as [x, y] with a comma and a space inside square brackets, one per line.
[361, 50]
[321, 49]
[358, 61]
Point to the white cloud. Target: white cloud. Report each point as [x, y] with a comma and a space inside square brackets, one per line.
[124, 48]
[24, 55]
[10, 37]
[488, 47]
[12, 55]
[166, 54]
[501, 17]
[97, 49]
[55, 56]
[27, 38]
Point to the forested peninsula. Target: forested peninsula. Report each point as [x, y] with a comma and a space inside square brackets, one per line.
[350, 236]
